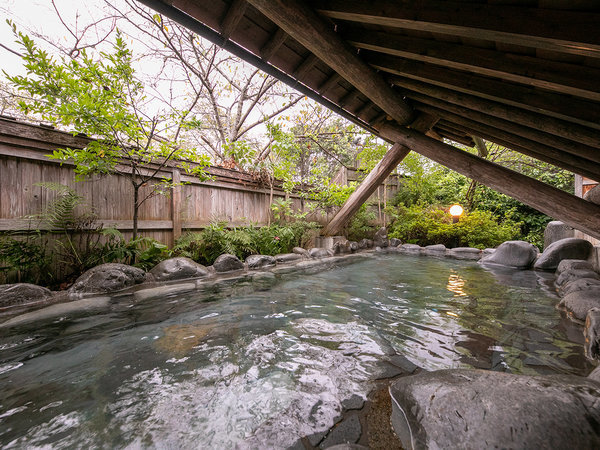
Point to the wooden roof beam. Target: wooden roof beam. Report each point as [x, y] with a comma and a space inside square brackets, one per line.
[232, 18]
[518, 130]
[550, 125]
[273, 44]
[574, 32]
[564, 78]
[304, 25]
[573, 211]
[573, 109]
[547, 153]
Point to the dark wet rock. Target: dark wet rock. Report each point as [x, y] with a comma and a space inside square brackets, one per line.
[517, 254]
[595, 375]
[485, 409]
[348, 447]
[569, 276]
[465, 253]
[353, 246]
[108, 277]
[573, 264]
[298, 445]
[300, 251]
[319, 253]
[591, 332]
[555, 231]
[381, 239]
[410, 248]
[403, 363]
[259, 261]
[365, 243]
[354, 402]
[283, 258]
[395, 242]
[346, 432]
[178, 268]
[569, 248]
[227, 263]
[578, 303]
[436, 249]
[593, 195]
[580, 284]
[388, 370]
[22, 294]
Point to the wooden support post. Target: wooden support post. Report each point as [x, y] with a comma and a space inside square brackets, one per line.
[573, 211]
[381, 171]
[302, 23]
[176, 204]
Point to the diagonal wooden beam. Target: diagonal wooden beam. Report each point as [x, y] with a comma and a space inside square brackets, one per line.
[272, 45]
[568, 130]
[567, 31]
[574, 211]
[564, 78]
[304, 25]
[380, 172]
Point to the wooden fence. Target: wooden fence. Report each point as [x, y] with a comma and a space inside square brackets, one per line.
[232, 196]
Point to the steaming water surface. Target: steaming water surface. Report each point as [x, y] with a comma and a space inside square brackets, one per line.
[260, 369]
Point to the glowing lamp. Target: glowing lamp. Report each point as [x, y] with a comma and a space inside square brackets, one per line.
[456, 210]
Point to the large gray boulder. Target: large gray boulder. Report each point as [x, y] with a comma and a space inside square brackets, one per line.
[580, 284]
[319, 252]
[591, 332]
[569, 248]
[435, 249]
[282, 258]
[341, 248]
[555, 231]
[518, 254]
[178, 268]
[483, 409]
[22, 294]
[365, 243]
[259, 261]
[300, 251]
[395, 242]
[108, 277]
[578, 303]
[227, 263]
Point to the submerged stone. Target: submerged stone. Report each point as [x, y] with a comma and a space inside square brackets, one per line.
[591, 332]
[578, 303]
[259, 261]
[465, 253]
[485, 409]
[108, 277]
[178, 268]
[22, 294]
[569, 248]
[518, 254]
[227, 263]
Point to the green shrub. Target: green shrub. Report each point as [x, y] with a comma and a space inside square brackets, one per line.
[430, 225]
[24, 258]
[214, 240]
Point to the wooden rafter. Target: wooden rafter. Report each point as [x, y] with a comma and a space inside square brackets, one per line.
[232, 18]
[567, 31]
[564, 78]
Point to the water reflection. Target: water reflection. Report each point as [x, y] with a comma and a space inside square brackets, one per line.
[261, 369]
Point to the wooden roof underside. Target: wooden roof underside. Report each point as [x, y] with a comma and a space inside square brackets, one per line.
[523, 74]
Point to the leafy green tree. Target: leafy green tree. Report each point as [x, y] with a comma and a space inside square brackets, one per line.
[102, 98]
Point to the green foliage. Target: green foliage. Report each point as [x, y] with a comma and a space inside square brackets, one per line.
[214, 240]
[430, 225]
[143, 252]
[26, 257]
[360, 226]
